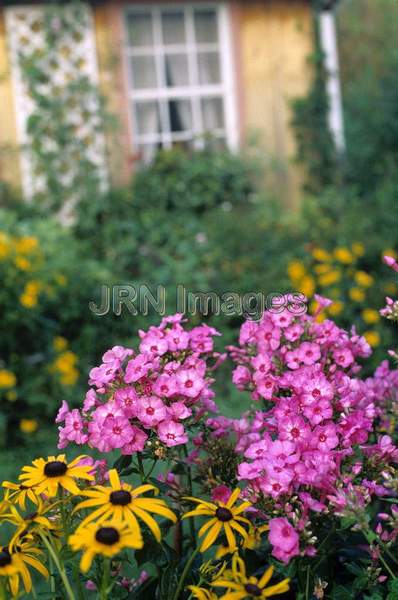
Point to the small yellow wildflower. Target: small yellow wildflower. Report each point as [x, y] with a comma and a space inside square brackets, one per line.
[336, 308]
[356, 294]
[343, 255]
[61, 280]
[296, 270]
[307, 286]
[7, 379]
[321, 268]
[321, 254]
[373, 338]
[26, 245]
[329, 278]
[4, 246]
[28, 425]
[22, 263]
[28, 300]
[363, 279]
[11, 396]
[358, 249]
[389, 252]
[370, 316]
[60, 343]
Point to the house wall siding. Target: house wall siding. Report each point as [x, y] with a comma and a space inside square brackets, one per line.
[9, 159]
[276, 40]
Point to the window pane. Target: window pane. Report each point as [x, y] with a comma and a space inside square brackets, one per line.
[176, 70]
[206, 26]
[173, 27]
[213, 113]
[143, 71]
[149, 151]
[180, 115]
[209, 67]
[140, 31]
[147, 117]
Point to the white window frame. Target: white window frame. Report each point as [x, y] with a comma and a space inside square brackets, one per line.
[225, 89]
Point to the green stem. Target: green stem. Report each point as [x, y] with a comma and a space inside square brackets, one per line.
[190, 486]
[60, 567]
[2, 589]
[141, 467]
[106, 576]
[307, 584]
[386, 566]
[52, 578]
[180, 587]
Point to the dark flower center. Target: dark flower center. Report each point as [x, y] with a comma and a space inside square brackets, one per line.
[107, 536]
[5, 557]
[224, 514]
[252, 589]
[120, 497]
[55, 468]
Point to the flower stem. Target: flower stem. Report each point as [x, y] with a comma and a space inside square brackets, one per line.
[180, 587]
[106, 575]
[61, 569]
[190, 487]
[141, 467]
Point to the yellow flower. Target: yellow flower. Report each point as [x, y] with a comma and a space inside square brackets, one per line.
[201, 593]
[26, 245]
[61, 280]
[248, 587]
[31, 522]
[307, 286]
[329, 278]
[20, 493]
[322, 268]
[46, 475]
[372, 337]
[65, 361]
[28, 425]
[370, 316]
[363, 279]
[389, 252]
[390, 288]
[4, 246]
[321, 255]
[336, 308]
[33, 287]
[28, 300]
[357, 294]
[7, 379]
[22, 263]
[358, 249]
[296, 270]
[14, 565]
[106, 538]
[70, 377]
[225, 518]
[60, 343]
[11, 396]
[343, 255]
[121, 501]
[252, 541]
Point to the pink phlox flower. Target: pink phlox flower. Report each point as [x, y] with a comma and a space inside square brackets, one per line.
[151, 410]
[172, 433]
[63, 411]
[284, 539]
[190, 383]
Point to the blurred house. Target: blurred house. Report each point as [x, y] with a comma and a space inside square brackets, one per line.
[171, 71]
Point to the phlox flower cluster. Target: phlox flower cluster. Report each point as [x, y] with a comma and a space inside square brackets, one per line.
[308, 443]
[152, 392]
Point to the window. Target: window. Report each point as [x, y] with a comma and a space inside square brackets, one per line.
[179, 76]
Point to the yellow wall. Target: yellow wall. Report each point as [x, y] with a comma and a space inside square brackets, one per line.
[275, 43]
[9, 159]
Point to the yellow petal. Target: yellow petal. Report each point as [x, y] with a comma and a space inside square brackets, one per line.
[211, 536]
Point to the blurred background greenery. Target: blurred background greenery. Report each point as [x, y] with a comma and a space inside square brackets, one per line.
[208, 220]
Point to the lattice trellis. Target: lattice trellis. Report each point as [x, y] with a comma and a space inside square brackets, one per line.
[71, 61]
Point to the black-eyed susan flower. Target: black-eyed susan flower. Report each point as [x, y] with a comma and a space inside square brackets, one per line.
[47, 475]
[29, 523]
[122, 501]
[15, 563]
[224, 518]
[20, 493]
[201, 593]
[251, 542]
[106, 539]
[240, 586]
